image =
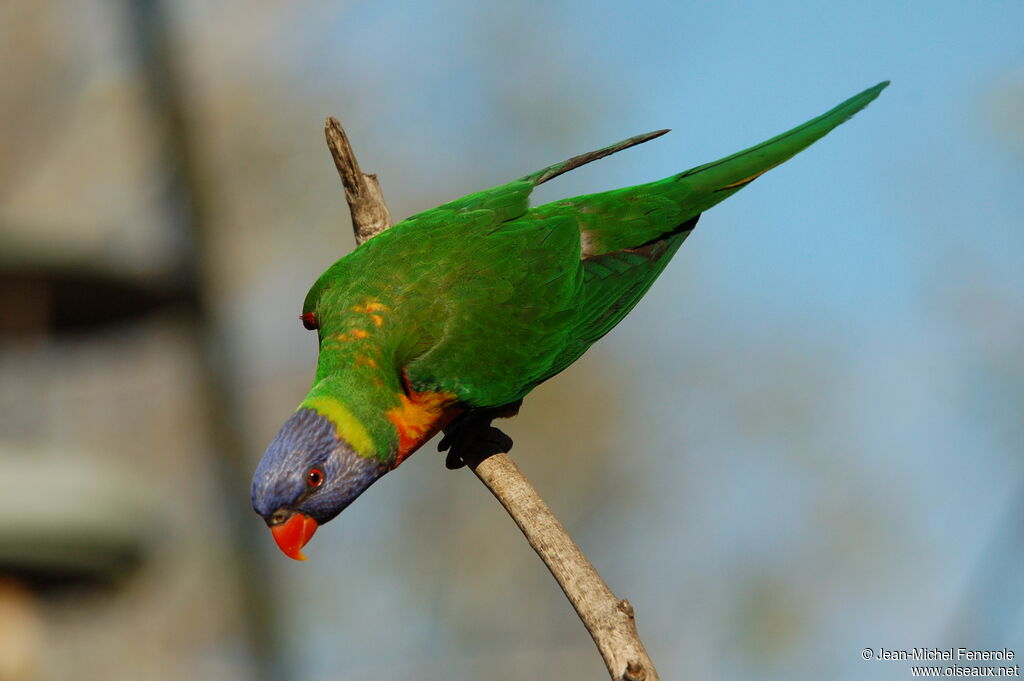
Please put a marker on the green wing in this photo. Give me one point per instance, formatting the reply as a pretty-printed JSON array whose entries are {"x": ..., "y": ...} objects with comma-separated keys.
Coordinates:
[
  {"x": 525, "y": 292},
  {"x": 508, "y": 305}
]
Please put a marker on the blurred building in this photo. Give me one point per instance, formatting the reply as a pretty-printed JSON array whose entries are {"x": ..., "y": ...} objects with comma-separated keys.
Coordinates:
[{"x": 116, "y": 558}]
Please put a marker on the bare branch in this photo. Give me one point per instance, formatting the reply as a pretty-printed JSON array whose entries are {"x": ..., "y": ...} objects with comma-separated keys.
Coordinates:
[
  {"x": 370, "y": 214},
  {"x": 609, "y": 620}
]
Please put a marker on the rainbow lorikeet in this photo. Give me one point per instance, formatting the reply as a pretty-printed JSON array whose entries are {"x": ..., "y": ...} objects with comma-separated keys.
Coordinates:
[{"x": 458, "y": 312}]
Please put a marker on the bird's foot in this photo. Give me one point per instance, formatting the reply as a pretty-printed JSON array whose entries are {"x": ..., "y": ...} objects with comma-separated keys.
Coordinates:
[{"x": 470, "y": 438}]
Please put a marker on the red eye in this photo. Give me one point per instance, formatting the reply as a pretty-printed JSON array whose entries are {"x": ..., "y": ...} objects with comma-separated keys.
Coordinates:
[
  {"x": 315, "y": 477},
  {"x": 309, "y": 321}
]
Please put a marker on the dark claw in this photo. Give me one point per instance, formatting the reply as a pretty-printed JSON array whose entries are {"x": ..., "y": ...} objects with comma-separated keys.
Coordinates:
[
  {"x": 472, "y": 438},
  {"x": 453, "y": 461},
  {"x": 499, "y": 439},
  {"x": 446, "y": 441}
]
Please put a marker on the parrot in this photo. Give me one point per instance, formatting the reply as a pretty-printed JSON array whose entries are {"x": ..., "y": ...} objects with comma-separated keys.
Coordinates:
[{"x": 452, "y": 316}]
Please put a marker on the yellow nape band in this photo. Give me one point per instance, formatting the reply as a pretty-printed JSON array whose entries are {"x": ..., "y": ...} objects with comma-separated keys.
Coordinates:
[{"x": 348, "y": 426}]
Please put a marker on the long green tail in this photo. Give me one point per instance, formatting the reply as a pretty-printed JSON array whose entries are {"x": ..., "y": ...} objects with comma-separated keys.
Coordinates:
[
  {"x": 630, "y": 234},
  {"x": 632, "y": 216},
  {"x": 713, "y": 182}
]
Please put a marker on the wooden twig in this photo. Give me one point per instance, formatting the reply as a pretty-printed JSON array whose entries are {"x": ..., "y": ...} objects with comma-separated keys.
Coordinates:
[
  {"x": 370, "y": 214},
  {"x": 609, "y": 620}
]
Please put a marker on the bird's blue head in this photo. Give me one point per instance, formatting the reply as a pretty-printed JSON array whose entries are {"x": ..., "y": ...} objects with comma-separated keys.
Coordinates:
[{"x": 307, "y": 476}]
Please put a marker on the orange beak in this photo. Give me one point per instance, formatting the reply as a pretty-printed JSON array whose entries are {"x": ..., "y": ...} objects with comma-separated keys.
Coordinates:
[{"x": 293, "y": 534}]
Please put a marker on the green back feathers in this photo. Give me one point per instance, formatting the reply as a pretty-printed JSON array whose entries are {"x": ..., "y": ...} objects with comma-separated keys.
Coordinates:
[{"x": 495, "y": 297}]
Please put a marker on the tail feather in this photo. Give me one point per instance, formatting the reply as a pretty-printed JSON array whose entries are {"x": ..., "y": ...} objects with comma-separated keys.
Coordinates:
[
  {"x": 553, "y": 171},
  {"x": 629, "y": 235},
  {"x": 713, "y": 182},
  {"x": 632, "y": 216}
]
